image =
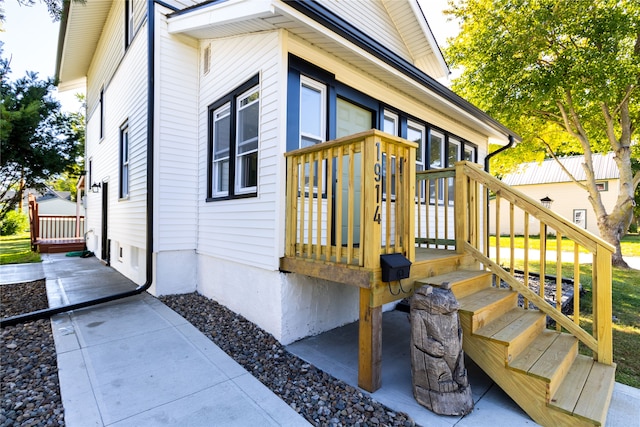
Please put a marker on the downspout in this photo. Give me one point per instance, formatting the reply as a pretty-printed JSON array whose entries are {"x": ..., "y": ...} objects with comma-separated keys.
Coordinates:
[
  {"x": 487, "y": 169},
  {"x": 48, "y": 312}
]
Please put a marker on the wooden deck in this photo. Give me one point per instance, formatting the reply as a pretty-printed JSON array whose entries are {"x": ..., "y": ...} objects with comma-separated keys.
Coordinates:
[{"x": 51, "y": 246}]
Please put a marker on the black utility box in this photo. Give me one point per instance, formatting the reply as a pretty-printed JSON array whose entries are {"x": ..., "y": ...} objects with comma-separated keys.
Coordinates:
[{"x": 394, "y": 267}]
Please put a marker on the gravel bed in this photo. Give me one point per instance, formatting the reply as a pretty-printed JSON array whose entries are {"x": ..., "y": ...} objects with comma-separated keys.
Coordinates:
[
  {"x": 28, "y": 366},
  {"x": 314, "y": 394}
]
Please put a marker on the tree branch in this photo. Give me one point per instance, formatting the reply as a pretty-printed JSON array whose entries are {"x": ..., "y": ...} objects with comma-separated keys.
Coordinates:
[
  {"x": 611, "y": 134},
  {"x": 569, "y": 174}
]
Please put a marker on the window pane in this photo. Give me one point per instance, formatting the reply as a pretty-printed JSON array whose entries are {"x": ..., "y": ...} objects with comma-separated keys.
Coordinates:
[
  {"x": 416, "y": 134},
  {"x": 221, "y": 132},
  {"x": 435, "y": 150},
  {"x": 390, "y": 123},
  {"x": 248, "y": 172},
  {"x": 221, "y": 176},
  {"x": 453, "y": 152},
  {"x": 310, "y": 110},
  {"x": 469, "y": 154},
  {"x": 248, "y": 120}
]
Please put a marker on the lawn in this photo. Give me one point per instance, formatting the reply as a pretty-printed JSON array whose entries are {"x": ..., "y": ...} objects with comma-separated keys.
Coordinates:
[
  {"x": 626, "y": 312},
  {"x": 16, "y": 249},
  {"x": 630, "y": 244}
]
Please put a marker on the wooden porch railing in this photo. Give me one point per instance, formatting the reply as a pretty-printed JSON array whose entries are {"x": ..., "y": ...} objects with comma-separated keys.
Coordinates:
[
  {"x": 53, "y": 227},
  {"x": 350, "y": 200},
  {"x": 471, "y": 185}
]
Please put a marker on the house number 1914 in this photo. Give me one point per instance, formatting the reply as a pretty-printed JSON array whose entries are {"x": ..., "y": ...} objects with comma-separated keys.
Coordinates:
[{"x": 377, "y": 171}]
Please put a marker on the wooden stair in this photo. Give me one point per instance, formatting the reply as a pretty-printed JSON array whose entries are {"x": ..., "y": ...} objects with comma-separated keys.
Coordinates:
[{"x": 539, "y": 369}]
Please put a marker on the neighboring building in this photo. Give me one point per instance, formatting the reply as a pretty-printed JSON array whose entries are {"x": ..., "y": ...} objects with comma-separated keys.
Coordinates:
[
  {"x": 53, "y": 203},
  {"x": 178, "y": 76},
  {"x": 548, "y": 180}
]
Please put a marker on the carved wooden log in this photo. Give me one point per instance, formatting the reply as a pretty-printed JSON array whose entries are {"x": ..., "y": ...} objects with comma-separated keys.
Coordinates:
[{"x": 437, "y": 361}]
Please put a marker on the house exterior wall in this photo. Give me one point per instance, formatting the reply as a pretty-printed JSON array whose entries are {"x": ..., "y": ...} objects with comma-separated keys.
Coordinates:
[
  {"x": 567, "y": 198},
  {"x": 121, "y": 75},
  {"x": 240, "y": 241},
  {"x": 228, "y": 250}
]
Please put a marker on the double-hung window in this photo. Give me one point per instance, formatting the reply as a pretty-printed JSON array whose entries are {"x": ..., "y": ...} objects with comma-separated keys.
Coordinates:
[
  {"x": 233, "y": 143},
  {"x": 313, "y": 112},
  {"x": 436, "y": 161},
  {"x": 124, "y": 162}
]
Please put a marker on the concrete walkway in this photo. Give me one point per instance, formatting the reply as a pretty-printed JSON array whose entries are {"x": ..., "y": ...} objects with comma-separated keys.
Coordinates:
[{"x": 135, "y": 362}]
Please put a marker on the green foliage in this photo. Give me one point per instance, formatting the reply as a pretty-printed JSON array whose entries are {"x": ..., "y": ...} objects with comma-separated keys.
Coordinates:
[
  {"x": 14, "y": 222},
  {"x": 38, "y": 140},
  {"x": 565, "y": 75}
]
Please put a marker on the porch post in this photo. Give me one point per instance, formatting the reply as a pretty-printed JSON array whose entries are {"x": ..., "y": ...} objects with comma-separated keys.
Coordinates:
[
  {"x": 370, "y": 325},
  {"x": 370, "y": 343}
]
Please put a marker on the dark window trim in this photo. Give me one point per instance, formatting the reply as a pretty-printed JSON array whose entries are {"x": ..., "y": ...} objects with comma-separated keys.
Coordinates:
[
  {"x": 101, "y": 113},
  {"x": 124, "y": 128},
  {"x": 336, "y": 89},
  {"x": 128, "y": 27},
  {"x": 230, "y": 98}
]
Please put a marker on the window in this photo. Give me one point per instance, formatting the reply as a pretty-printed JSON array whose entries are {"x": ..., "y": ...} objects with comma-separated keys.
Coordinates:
[
  {"x": 436, "y": 161},
  {"x": 416, "y": 133},
  {"x": 469, "y": 153},
  {"x": 233, "y": 143},
  {"x": 101, "y": 112},
  {"x": 128, "y": 23},
  {"x": 390, "y": 123},
  {"x": 313, "y": 107},
  {"x": 247, "y": 142},
  {"x": 602, "y": 186},
  {"x": 124, "y": 161},
  {"x": 580, "y": 217}
]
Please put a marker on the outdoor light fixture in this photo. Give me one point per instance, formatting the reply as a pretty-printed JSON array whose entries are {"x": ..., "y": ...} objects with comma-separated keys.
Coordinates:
[
  {"x": 95, "y": 188},
  {"x": 546, "y": 202}
]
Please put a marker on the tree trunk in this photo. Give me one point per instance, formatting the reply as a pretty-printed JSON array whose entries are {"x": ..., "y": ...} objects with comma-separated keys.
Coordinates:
[{"x": 612, "y": 233}]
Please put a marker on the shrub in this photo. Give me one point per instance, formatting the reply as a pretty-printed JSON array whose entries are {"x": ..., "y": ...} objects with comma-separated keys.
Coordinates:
[{"x": 13, "y": 223}]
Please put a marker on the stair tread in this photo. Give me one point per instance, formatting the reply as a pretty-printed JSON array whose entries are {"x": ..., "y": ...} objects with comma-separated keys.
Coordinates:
[
  {"x": 483, "y": 299},
  {"x": 558, "y": 356},
  {"x": 500, "y": 323},
  {"x": 452, "y": 277},
  {"x": 586, "y": 390},
  {"x": 512, "y": 329},
  {"x": 525, "y": 360}
]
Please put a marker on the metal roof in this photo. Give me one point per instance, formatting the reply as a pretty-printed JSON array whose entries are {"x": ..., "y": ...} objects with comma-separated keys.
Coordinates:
[{"x": 604, "y": 167}]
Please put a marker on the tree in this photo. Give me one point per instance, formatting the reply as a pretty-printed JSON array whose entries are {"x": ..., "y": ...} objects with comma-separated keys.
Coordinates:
[
  {"x": 37, "y": 140},
  {"x": 564, "y": 74}
]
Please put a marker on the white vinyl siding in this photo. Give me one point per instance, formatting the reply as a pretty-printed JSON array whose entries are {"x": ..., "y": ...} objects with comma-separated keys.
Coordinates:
[
  {"x": 373, "y": 19},
  {"x": 122, "y": 78},
  {"x": 245, "y": 230},
  {"x": 176, "y": 151}
]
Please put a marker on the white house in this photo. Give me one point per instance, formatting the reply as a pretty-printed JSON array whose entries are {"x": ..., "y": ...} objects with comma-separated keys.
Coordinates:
[
  {"x": 191, "y": 107},
  {"x": 547, "y": 180}
]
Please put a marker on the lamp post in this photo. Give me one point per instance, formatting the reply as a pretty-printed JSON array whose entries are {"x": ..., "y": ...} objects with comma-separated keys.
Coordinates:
[{"x": 546, "y": 202}]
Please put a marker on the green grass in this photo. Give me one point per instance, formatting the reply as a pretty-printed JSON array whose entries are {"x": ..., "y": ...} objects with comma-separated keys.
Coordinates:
[
  {"x": 630, "y": 244},
  {"x": 16, "y": 249},
  {"x": 626, "y": 309}
]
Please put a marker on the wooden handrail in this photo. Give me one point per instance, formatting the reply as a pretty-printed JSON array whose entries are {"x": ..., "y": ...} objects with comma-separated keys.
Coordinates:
[
  {"x": 349, "y": 200},
  {"x": 469, "y": 176}
]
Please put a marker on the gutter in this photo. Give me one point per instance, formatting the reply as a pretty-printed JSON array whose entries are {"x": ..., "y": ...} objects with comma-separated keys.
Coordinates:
[
  {"x": 487, "y": 170},
  {"x": 48, "y": 312}
]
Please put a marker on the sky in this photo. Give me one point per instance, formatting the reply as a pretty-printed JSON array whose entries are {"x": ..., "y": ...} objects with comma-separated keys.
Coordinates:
[{"x": 31, "y": 39}]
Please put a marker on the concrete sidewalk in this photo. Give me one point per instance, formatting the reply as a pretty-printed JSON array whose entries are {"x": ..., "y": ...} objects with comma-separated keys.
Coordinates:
[{"x": 135, "y": 362}]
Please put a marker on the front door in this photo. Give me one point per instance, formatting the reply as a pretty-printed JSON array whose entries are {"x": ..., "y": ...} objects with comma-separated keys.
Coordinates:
[
  {"x": 105, "y": 240},
  {"x": 351, "y": 119}
]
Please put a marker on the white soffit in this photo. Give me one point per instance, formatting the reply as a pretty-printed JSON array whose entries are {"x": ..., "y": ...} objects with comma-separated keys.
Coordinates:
[{"x": 82, "y": 31}]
